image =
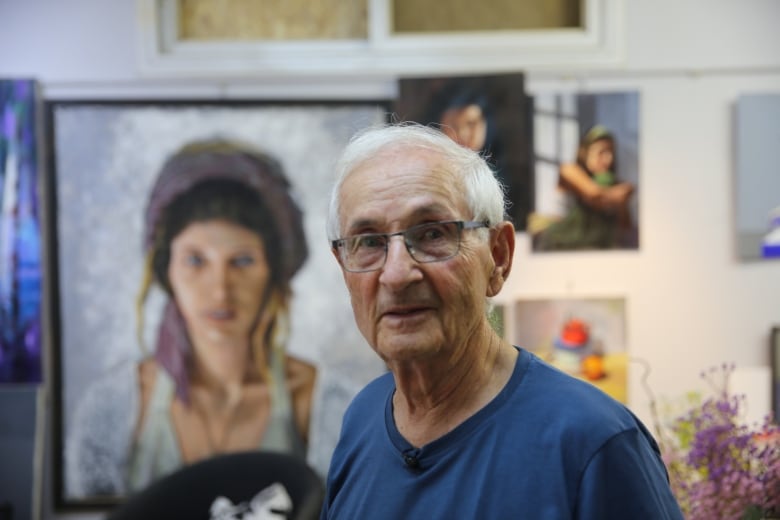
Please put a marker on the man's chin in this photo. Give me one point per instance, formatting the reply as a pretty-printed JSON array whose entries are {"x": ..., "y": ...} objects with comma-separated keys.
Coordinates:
[{"x": 410, "y": 347}]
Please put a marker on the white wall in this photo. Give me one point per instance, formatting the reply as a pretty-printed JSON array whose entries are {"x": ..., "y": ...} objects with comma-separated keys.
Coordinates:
[{"x": 691, "y": 303}]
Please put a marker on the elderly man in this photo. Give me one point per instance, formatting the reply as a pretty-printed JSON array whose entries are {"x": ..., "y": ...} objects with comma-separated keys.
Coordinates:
[{"x": 465, "y": 425}]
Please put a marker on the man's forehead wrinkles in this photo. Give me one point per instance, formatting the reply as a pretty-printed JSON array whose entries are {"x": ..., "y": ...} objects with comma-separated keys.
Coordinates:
[{"x": 425, "y": 209}]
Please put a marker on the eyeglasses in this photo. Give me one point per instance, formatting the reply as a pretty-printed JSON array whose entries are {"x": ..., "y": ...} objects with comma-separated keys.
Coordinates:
[{"x": 426, "y": 243}]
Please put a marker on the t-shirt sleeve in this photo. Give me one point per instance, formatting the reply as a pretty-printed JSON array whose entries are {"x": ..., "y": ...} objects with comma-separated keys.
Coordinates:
[{"x": 626, "y": 478}]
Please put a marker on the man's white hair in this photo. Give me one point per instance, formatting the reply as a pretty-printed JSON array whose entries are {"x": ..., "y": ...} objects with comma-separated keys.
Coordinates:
[{"x": 483, "y": 192}]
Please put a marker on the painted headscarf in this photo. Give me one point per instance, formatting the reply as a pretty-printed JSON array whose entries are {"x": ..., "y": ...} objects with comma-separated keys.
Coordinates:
[
  {"x": 596, "y": 133},
  {"x": 205, "y": 162}
]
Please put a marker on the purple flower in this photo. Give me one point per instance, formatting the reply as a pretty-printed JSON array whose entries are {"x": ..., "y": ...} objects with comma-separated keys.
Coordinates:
[{"x": 720, "y": 468}]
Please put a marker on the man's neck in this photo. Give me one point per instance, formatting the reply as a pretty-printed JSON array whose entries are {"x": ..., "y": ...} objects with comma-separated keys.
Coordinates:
[{"x": 431, "y": 398}]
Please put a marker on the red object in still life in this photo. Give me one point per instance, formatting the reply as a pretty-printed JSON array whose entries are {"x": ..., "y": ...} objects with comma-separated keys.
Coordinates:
[
  {"x": 574, "y": 352},
  {"x": 575, "y": 334}
]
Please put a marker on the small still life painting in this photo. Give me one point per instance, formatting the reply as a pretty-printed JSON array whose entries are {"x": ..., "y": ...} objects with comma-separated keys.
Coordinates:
[{"x": 583, "y": 337}]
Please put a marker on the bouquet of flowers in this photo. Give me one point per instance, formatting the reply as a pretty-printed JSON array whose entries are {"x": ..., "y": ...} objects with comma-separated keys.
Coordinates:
[{"x": 720, "y": 468}]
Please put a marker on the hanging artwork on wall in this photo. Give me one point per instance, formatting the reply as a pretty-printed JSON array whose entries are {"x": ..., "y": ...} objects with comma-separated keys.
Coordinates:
[
  {"x": 489, "y": 114},
  {"x": 191, "y": 259},
  {"x": 20, "y": 238},
  {"x": 757, "y": 182},
  {"x": 585, "y": 337},
  {"x": 586, "y": 171},
  {"x": 774, "y": 356}
]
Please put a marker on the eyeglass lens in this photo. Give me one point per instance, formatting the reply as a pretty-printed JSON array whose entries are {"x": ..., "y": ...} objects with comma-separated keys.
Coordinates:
[{"x": 430, "y": 242}]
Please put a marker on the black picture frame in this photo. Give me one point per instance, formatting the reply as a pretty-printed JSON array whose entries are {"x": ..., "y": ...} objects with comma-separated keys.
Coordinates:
[
  {"x": 101, "y": 156},
  {"x": 774, "y": 356}
]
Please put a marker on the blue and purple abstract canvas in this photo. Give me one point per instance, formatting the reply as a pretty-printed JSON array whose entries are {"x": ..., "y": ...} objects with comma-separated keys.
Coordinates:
[{"x": 20, "y": 238}]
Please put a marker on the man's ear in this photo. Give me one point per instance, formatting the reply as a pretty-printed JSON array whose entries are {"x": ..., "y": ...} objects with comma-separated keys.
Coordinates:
[
  {"x": 336, "y": 255},
  {"x": 502, "y": 249}
]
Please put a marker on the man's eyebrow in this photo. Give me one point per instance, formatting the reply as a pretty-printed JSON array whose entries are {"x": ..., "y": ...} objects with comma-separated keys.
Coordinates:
[{"x": 361, "y": 224}]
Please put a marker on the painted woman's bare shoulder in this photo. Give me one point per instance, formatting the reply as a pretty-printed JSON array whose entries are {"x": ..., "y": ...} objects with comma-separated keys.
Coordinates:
[
  {"x": 147, "y": 375},
  {"x": 301, "y": 376},
  {"x": 300, "y": 373}
]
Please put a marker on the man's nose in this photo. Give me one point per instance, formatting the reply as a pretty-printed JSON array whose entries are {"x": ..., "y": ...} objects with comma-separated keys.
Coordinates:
[{"x": 400, "y": 267}]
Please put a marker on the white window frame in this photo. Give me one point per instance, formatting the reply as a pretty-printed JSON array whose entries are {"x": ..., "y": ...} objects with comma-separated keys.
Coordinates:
[{"x": 598, "y": 44}]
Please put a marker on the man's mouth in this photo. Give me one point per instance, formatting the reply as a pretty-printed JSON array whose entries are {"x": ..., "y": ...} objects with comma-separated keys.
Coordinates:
[{"x": 400, "y": 312}]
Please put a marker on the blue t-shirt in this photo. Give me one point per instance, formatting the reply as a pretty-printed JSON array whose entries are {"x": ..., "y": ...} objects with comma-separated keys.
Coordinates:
[{"x": 548, "y": 446}]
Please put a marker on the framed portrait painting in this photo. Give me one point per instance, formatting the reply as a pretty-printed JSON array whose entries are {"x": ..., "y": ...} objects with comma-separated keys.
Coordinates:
[
  {"x": 490, "y": 114},
  {"x": 176, "y": 226},
  {"x": 586, "y": 167}
]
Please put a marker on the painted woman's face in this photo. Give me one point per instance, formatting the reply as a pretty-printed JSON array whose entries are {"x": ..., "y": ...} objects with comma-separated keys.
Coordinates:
[
  {"x": 600, "y": 156},
  {"x": 218, "y": 274},
  {"x": 466, "y": 126}
]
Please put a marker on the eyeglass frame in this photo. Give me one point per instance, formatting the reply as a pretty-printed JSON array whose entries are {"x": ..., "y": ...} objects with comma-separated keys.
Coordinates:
[{"x": 462, "y": 225}]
